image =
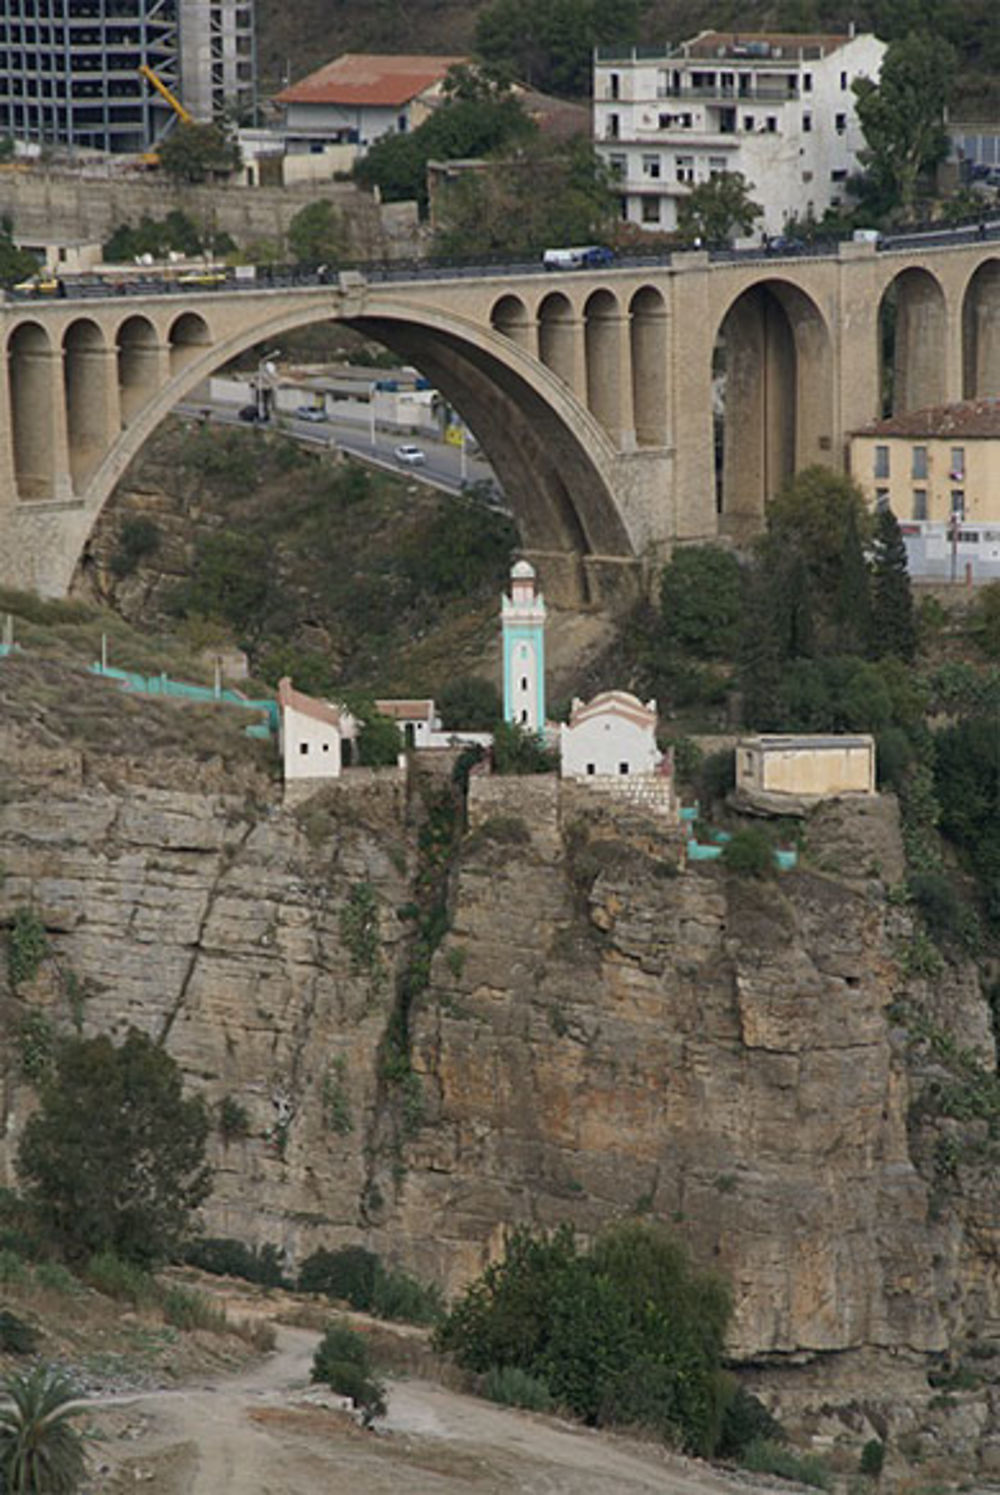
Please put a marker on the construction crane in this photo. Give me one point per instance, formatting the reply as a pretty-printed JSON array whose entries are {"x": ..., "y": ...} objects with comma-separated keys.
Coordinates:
[
  {"x": 152, "y": 158},
  {"x": 184, "y": 115}
]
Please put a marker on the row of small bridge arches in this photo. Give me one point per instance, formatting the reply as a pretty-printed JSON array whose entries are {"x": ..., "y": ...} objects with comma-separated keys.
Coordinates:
[{"x": 74, "y": 392}]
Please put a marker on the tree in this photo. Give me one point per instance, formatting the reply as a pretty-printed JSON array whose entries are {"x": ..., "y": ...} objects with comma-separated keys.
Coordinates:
[
  {"x": 192, "y": 153},
  {"x": 701, "y": 599},
  {"x": 380, "y": 741},
  {"x": 517, "y": 751},
  {"x": 716, "y": 211},
  {"x": 469, "y": 123},
  {"x": 537, "y": 195},
  {"x": 343, "y": 1362},
  {"x": 317, "y": 234},
  {"x": 113, "y": 1160},
  {"x": 41, "y": 1453},
  {"x": 894, "y": 629},
  {"x": 902, "y": 115},
  {"x": 551, "y": 46},
  {"x": 469, "y": 702},
  {"x": 15, "y": 264},
  {"x": 854, "y": 610}
]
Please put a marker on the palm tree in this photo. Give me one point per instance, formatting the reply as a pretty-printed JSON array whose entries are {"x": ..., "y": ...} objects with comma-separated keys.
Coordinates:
[{"x": 41, "y": 1453}]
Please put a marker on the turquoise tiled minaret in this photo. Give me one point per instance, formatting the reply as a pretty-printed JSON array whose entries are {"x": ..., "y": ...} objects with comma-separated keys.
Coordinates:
[{"x": 524, "y": 650}]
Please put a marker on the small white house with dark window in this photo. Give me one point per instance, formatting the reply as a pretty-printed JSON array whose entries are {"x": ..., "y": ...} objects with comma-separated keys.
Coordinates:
[
  {"x": 312, "y": 734},
  {"x": 416, "y": 719},
  {"x": 614, "y": 734}
]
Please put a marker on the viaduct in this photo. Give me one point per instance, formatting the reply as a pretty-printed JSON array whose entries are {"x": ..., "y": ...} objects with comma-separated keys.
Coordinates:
[{"x": 594, "y": 393}]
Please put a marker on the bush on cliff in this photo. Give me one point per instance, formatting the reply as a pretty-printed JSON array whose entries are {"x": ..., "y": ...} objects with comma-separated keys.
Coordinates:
[{"x": 628, "y": 1332}]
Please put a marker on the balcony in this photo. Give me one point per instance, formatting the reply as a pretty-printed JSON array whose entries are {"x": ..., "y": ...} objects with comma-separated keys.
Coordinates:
[{"x": 722, "y": 92}]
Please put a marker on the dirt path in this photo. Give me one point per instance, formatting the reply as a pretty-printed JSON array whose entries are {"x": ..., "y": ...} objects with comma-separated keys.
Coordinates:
[{"x": 266, "y": 1432}]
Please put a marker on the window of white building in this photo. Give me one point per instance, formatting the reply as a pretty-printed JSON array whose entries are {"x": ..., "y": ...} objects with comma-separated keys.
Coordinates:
[
  {"x": 684, "y": 166},
  {"x": 650, "y": 210},
  {"x": 840, "y": 123},
  {"x": 717, "y": 166},
  {"x": 651, "y": 166}
]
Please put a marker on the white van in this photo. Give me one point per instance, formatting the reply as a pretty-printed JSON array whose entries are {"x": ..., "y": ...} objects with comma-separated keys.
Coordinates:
[
  {"x": 583, "y": 257},
  {"x": 867, "y": 236}
]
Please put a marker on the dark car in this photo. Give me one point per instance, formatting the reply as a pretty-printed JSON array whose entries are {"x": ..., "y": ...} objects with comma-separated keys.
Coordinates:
[{"x": 253, "y": 416}]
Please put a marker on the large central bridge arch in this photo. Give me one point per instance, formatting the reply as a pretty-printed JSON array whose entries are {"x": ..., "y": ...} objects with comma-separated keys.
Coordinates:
[{"x": 555, "y": 460}]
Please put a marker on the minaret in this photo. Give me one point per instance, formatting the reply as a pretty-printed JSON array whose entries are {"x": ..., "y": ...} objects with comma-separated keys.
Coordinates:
[{"x": 524, "y": 650}]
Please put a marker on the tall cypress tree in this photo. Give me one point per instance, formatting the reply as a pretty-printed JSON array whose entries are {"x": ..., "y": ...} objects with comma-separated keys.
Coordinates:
[
  {"x": 853, "y": 609},
  {"x": 894, "y": 628}
]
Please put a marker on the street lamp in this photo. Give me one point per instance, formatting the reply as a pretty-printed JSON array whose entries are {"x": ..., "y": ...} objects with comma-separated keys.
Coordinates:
[
  {"x": 265, "y": 365},
  {"x": 371, "y": 412}
]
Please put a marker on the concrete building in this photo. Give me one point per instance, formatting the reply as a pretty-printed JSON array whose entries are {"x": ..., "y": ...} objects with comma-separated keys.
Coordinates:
[
  {"x": 311, "y": 734},
  {"x": 777, "y": 107},
  {"x": 805, "y": 767},
  {"x": 356, "y": 99},
  {"x": 523, "y": 622},
  {"x": 69, "y": 68}
]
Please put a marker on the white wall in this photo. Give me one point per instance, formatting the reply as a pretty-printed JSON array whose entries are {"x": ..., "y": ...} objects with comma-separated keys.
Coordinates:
[
  {"x": 602, "y": 744},
  {"x": 310, "y": 748}
]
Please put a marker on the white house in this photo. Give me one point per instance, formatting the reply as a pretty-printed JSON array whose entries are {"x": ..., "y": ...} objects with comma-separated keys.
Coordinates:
[
  {"x": 417, "y": 720},
  {"x": 358, "y": 98},
  {"x": 775, "y": 106},
  {"x": 614, "y": 734},
  {"x": 311, "y": 734},
  {"x": 806, "y": 767}
]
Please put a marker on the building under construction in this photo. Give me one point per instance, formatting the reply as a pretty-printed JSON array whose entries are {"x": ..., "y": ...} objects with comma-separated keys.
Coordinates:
[{"x": 69, "y": 69}]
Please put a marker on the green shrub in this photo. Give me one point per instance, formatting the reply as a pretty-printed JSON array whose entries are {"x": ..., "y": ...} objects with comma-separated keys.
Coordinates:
[
  {"x": 380, "y": 742},
  {"x": 508, "y": 830},
  {"x": 401, "y": 1298},
  {"x": 55, "y": 1278},
  {"x": 749, "y": 853},
  {"x": 746, "y": 1420},
  {"x": 187, "y": 1310},
  {"x": 717, "y": 777},
  {"x": 359, "y": 927},
  {"x": 336, "y": 1102},
  {"x": 138, "y": 538},
  {"x": 13, "y": 1270},
  {"x": 517, "y": 751},
  {"x": 627, "y": 1333},
  {"x": 120, "y": 1279},
  {"x": 16, "y": 1337},
  {"x": 764, "y": 1457},
  {"x": 225, "y": 1257},
  {"x": 515, "y": 1388},
  {"x": 947, "y": 917},
  {"x": 27, "y": 946},
  {"x": 872, "y": 1458},
  {"x": 471, "y": 703},
  {"x": 36, "y": 1044},
  {"x": 347, "y": 1274},
  {"x": 234, "y": 1119},
  {"x": 342, "y": 1361}
]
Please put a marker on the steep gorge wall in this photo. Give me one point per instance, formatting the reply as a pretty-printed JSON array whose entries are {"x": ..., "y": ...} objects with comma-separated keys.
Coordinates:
[{"x": 600, "y": 1035}]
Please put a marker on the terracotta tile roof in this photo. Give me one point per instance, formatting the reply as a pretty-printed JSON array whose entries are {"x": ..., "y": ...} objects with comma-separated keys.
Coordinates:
[
  {"x": 616, "y": 703},
  {"x": 360, "y": 79},
  {"x": 707, "y": 43},
  {"x": 968, "y": 418},
  {"x": 406, "y": 711},
  {"x": 290, "y": 699}
]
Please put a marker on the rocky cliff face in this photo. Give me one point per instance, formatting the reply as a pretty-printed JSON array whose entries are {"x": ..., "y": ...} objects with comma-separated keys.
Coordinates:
[{"x": 600, "y": 1034}]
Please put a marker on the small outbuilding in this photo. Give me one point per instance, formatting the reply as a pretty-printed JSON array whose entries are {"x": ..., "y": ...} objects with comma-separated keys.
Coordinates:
[
  {"x": 312, "y": 734},
  {"x": 806, "y": 767}
]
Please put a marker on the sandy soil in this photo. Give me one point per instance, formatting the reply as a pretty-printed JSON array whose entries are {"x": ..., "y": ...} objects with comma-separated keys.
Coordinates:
[{"x": 268, "y": 1432}]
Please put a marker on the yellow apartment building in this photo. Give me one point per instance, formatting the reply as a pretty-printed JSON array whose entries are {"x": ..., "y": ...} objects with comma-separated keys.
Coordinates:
[{"x": 933, "y": 465}]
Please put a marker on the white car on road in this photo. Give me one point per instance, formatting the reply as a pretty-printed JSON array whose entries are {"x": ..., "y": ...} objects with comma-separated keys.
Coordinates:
[{"x": 411, "y": 456}]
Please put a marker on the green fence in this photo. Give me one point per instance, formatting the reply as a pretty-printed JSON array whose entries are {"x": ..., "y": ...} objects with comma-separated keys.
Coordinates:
[{"x": 162, "y": 685}]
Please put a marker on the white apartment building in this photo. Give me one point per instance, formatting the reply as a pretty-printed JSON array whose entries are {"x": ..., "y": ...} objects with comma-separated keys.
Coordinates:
[{"x": 779, "y": 108}]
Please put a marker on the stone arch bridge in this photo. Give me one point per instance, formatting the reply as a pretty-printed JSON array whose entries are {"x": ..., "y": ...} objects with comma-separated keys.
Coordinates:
[{"x": 595, "y": 394}]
